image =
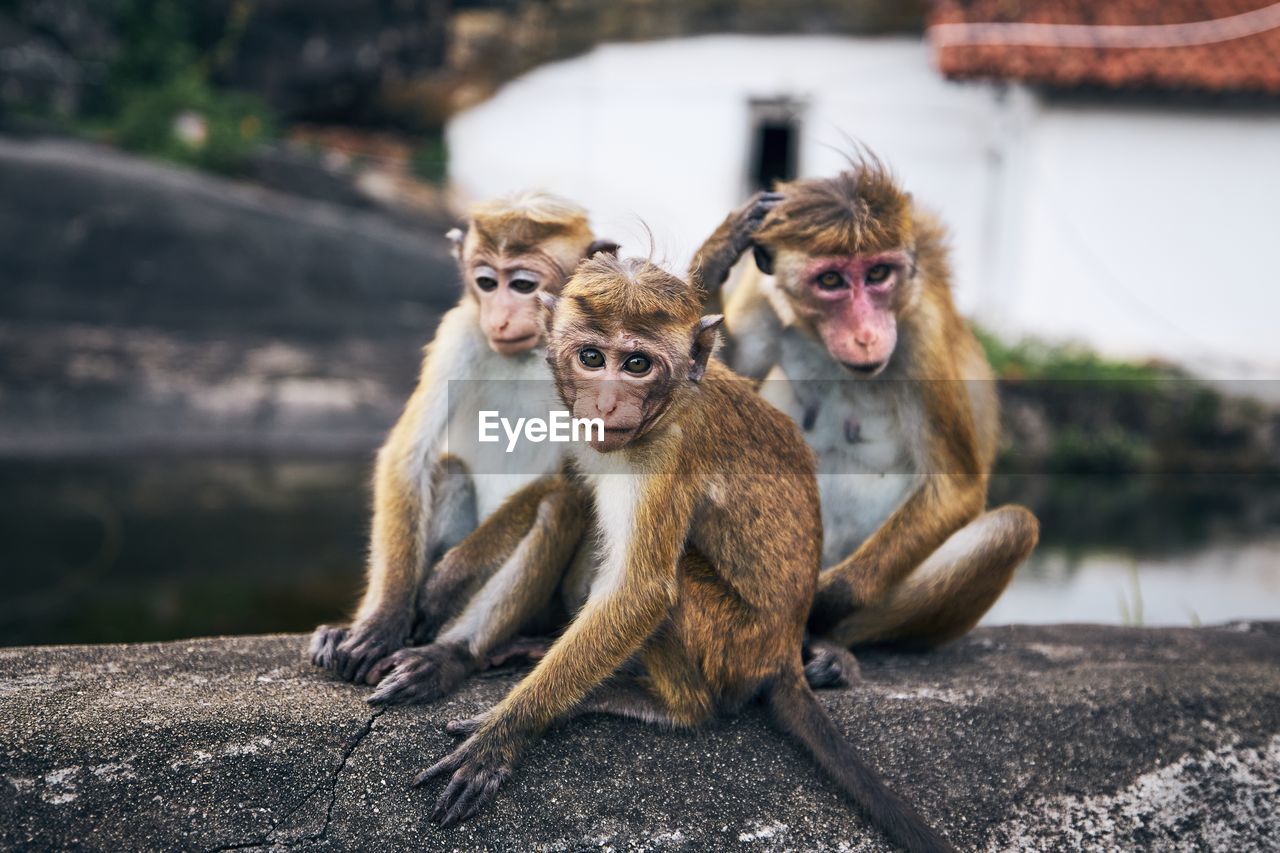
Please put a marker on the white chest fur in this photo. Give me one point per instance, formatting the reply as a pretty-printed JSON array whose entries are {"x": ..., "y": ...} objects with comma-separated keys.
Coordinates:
[
  {"x": 518, "y": 387},
  {"x": 863, "y": 432},
  {"x": 617, "y": 498}
]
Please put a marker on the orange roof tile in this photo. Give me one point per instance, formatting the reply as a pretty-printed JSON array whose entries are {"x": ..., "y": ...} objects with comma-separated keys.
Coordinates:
[{"x": 1213, "y": 46}]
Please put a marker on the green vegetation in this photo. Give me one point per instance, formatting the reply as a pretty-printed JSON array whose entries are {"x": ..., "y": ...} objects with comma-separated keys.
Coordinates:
[
  {"x": 1031, "y": 359},
  {"x": 431, "y": 160},
  {"x": 159, "y": 99}
]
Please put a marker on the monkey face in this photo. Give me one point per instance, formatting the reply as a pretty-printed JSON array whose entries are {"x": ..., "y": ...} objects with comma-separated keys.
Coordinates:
[
  {"x": 850, "y": 302},
  {"x": 506, "y": 288},
  {"x": 623, "y": 342},
  {"x": 620, "y": 380}
]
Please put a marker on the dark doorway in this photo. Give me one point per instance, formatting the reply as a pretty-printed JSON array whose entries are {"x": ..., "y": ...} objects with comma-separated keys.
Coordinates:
[{"x": 775, "y": 142}]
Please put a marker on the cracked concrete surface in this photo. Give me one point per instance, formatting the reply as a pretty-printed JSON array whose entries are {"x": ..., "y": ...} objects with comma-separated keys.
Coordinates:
[{"x": 1045, "y": 738}]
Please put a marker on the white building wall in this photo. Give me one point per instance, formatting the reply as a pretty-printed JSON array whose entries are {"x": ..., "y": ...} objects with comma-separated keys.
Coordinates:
[
  {"x": 1138, "y": 231},
  {"x": 1149, "y": 232}
]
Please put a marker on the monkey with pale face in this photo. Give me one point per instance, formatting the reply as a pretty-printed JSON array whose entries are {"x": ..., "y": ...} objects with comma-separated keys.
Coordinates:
[
  {"x": 848, "y": 316},
  {"x": 709, "y": 539},
  {"x": 430, "y": 493}
]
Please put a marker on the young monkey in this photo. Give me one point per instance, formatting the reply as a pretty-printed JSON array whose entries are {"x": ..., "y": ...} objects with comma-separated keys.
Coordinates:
[
  {"x": 709, "y": 537},
  {"x": 849, "y": 317},
  {"x": 429, "y": 495}
]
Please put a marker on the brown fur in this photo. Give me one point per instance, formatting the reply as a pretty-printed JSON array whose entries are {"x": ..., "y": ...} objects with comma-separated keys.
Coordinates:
[
  {"x": 856, "y": 212},
  {"x": 403, "y": 600},
  {"x": 721, "y": 558},
  {"x": 873, "y": 595}
]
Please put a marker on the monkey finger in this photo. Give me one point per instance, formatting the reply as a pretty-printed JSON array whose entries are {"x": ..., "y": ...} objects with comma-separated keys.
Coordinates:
[
  {"x": 763, "y": 203},
  {"x": 464, "y": 805},
  {"x": 480, "y": 786},
  {"x": 448, "y": 764},
  {"x": 324, "y": 641},
  {"x": 388, "y": 692},
  {"x": 366, "y": 664},
  {"x": 464, "y": 728},
  {"x": 379, "y": 670},
  {"x": 448, "y": 796}
]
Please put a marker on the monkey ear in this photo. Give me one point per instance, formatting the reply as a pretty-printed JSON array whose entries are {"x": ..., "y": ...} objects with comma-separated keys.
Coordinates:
[
  {"x": 597, "y": 246},
  {"x": 455, "y": 236},
  {"x": 764, "y": 258},
  {"x": 704, "y": 343},
  {"x": 549, "y": 302}
]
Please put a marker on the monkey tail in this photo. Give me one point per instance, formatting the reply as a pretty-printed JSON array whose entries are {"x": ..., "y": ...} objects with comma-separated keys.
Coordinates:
[{"x": 798, "y": 712}]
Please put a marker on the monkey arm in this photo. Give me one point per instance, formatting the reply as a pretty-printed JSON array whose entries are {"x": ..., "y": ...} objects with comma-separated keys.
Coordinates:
[
  {"x": 611, "y": 627},
  {"x": 951, "y": 494},
  {"x": 404, "y": 483},
  {"x": 718, "y": 253},
  {"x": 549, "y": 509},
  {"x": 613, "y": 624},
  {"x": 752, "y": 328},
  {"x": 521, "y": 587}
]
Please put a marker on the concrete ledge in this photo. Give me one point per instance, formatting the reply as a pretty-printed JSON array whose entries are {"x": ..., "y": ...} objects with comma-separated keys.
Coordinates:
[{"x": 1064, "y": 737}]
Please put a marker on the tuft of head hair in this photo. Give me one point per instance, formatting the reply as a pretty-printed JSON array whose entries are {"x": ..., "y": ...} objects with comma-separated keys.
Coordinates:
[
  {"x": 520, "y": 221},
  {"x": 860, "y": 210},
  {"x": 632, "y": 293}
]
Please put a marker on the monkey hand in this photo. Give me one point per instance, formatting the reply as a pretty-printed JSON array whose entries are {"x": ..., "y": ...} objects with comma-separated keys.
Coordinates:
[
  {"x": 420, "y": 674},
  {"x": 827, "y": 664},
  {"x": 722, "y": 250},
  {"x": 364, "y": 644},
  {"x": 324, "y": 642},
  {"x": 477, "y": 768}
]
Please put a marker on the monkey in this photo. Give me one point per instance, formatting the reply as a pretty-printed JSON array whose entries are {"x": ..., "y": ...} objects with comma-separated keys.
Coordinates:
[
  {"x": 709, "y": 540},
  {"x": 849, "y": 317},
  {"x": 428, "y": 493}
]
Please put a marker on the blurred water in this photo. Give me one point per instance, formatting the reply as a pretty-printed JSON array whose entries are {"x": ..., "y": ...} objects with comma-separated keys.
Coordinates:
[{"x": 134, "y": 549}]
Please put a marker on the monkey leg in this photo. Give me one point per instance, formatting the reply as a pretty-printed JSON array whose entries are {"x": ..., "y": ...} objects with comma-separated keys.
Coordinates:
[
  {"x": 453, "y": 515},
  {"x": 946, "y": 595},
  {"x": 511, "y": 597},
  {"x": 467, "y": 566}
]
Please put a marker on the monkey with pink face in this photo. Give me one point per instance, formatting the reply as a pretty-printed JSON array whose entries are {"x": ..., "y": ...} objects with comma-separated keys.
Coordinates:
[{"x": 848, "y": 318}]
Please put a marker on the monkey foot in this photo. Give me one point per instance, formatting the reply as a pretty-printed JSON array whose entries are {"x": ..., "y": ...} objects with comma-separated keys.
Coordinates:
[
  {"x": 360, "y": 648},
  {"x": 324, "y": 642},
  {"x": 520, "y": 650},
  {"x": 830, "y": 665},
  {"x": 420, "y": 674},
  {"x": 476, "y": 777}
]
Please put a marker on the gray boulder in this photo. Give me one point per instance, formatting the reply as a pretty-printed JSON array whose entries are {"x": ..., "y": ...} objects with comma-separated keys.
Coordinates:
[{"x": 1044, "y": 738}]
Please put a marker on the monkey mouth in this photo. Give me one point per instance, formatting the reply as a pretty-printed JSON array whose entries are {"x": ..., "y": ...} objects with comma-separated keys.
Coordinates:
[
  {"x": 869, "y": 369},
  {"x": 513, "y": 344}
]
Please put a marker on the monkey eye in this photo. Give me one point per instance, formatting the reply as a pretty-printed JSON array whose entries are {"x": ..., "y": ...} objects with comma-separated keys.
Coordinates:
[
  {"x": 524, "y": 285},
  {"x": 591, "y": 358},
  {"x": 486, "y": 283},
  {"x": 878, "y": 273},
  {"x": 831, "y": 280},
  {"x": 636, "y": 364}
]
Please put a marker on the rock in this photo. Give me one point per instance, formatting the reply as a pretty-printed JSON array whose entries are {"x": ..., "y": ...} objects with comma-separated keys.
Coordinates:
[
  {"x": 408, "y": 63},
  {"x": 147, "y": 306},
  {"x": 1062, "y": 737}
]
